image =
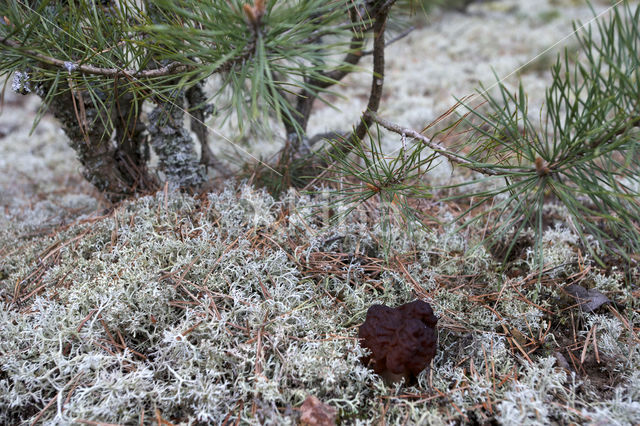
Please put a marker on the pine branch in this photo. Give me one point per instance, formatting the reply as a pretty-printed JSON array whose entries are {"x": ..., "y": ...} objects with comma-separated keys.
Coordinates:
[
  {"x": 173, "y": 68},
  {"x": 441, "y": 150},
  {"x": 170, "y": 69}
]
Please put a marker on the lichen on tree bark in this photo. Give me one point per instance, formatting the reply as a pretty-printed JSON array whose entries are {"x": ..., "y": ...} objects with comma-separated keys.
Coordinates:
[{"x": 173, "y": 144}]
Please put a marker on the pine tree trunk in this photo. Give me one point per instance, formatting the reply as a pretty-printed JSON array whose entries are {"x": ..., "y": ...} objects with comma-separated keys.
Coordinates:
[{"x": 116, "y": 168}]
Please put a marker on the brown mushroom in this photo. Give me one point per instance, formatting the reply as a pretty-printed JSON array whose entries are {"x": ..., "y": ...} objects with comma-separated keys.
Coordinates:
[{"x": 402, "y": 340}]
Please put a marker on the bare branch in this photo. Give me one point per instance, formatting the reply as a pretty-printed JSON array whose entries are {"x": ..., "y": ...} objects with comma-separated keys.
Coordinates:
[
  {"x": 170, "y": 69},
  {"x": 451, "y": 156}
]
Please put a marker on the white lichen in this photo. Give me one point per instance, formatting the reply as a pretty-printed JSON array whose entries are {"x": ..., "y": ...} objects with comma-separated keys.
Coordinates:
[{"x": 21, "y": 83}]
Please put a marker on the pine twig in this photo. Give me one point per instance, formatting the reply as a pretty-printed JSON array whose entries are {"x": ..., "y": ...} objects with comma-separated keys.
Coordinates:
[{"x": 451, "y": 156}]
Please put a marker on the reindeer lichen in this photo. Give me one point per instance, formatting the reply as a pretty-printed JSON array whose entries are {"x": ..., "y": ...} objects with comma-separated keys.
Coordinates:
[{"x": 213, "y": 308}]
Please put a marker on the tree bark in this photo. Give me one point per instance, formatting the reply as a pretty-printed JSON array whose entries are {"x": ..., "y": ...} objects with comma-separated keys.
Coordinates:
[{"x": 116, "y": 169}]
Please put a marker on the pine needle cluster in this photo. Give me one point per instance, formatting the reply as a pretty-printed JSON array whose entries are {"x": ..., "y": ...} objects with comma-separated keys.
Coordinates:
[{"x": 581, "y": 153}]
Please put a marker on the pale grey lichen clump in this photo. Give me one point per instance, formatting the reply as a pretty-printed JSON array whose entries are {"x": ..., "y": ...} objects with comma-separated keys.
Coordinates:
[
  {"x": 557, "y": 250},
  {"x": 140, "y": 286},
  {"x": 205, "y": 310},
  {"x": 529, "y": 401}
]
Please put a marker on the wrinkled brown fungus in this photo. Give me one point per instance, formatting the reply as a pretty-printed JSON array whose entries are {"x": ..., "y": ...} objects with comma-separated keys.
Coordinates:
[{"x": 402, "y": 340}]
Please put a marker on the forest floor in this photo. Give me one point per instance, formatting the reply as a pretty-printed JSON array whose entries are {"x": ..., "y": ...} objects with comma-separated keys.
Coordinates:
[{"x": 232, "y": 307}]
